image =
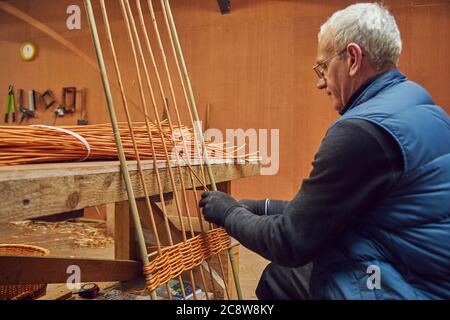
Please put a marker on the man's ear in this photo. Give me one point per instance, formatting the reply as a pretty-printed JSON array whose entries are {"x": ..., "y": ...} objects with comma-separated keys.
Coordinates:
[{"x": 354, "y": 58}]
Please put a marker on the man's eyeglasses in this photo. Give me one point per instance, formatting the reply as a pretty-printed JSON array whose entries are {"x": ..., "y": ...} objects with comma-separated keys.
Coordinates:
[{"x": 322, "y": 66}]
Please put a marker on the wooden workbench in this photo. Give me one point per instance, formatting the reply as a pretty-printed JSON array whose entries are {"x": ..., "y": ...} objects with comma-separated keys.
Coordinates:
[{"x": 32, "y": 191}]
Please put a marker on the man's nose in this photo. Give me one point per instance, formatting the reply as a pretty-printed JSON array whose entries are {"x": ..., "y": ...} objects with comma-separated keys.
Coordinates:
[{"x": 322, "y": 84}]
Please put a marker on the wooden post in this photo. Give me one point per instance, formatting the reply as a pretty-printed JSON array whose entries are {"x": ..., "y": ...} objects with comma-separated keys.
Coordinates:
[
  {"x": 124, "y": 235},
  {"x": 110, "y": 219}
]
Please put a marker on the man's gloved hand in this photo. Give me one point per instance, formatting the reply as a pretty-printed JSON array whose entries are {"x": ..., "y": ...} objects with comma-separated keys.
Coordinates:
[{"x": 216, "y": 206}]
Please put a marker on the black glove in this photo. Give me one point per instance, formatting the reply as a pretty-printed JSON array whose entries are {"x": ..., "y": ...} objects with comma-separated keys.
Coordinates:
[{"x": 216, "y": 206}]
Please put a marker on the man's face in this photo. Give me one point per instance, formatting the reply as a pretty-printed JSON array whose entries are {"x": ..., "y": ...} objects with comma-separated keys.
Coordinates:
[{"x": 335, "y": 77}]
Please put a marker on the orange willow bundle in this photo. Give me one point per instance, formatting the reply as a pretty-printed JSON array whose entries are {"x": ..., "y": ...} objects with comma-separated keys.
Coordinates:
[{"x": 40, "y": 144}]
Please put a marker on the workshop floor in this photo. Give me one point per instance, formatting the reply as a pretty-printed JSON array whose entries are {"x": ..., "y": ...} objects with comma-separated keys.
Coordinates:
[
  {"x": 63, "y": 240},
  {"x": 251, "y": 267}
]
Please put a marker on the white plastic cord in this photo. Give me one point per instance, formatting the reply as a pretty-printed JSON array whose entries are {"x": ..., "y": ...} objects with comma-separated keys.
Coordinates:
[{"x": 73, "y": 134}]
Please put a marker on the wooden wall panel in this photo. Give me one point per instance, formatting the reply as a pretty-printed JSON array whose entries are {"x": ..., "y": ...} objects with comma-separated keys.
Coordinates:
[{"x": 253, "y": 66}]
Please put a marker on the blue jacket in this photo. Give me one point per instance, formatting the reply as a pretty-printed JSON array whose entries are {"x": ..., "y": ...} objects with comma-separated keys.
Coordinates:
[{"x": 404, "y": 242}]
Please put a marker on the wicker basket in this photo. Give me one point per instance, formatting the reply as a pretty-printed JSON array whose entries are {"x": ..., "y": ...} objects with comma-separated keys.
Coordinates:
[{"x": 22, "y": 291}]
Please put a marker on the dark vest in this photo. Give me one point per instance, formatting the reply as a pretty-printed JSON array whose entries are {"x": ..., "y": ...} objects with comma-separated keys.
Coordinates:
[{"x": 405, "y": 239}]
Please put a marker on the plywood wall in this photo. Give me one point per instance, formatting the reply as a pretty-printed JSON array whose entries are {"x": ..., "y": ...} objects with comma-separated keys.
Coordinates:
[{"x": 252, "y": 66}]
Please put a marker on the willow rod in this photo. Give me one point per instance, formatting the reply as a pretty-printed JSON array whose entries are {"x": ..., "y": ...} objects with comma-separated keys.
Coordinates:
[
  {"x": 36, "y": 144},
  {"x": 112, "y": 113},
  {"x": 161, "y": 47},
  {"x": 168, "y": 14},
  {"x": 130, "y": 126},
  {"x": 171, "y": 88},
  {"x": 152, "y": 147},
  {"x": 161, "y": 89},
  {"x": 144, "y": 104},
  {"x": 173, "y": 32},
  {"x": 155, "y": 27},
  {"x": 183, "y": 187}
]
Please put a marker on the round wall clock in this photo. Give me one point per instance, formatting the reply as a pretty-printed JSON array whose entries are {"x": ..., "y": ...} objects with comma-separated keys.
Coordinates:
[{"x": 28, "y": 51}]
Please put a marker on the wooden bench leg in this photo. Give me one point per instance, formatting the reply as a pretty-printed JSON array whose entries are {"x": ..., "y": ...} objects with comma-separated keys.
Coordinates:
[
  {"x": 110, "y": 219},
  {"x": 124, "y": 237}
]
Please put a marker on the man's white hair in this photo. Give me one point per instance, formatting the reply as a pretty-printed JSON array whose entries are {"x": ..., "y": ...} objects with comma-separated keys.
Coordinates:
[{"x": 369, "y": 25}]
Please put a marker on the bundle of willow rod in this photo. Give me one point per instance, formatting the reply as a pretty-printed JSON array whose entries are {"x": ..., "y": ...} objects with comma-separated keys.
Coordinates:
[{"x": 41, "y": 144}]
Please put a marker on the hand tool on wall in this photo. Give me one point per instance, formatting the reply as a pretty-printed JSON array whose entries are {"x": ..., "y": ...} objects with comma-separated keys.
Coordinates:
[
  {"x": 69, "y": 102},
  {"x": 32, "y": 100},
  {"x": 225, "y": 6},
  {"x": 83, "y": 119},
  {"x": 69, "y": 99},
  {"x": 26, "y": 113},
  {"x": 60, "y": 111},
  {"x": 47, "y": 99},
  {"x": 10, "y": 105}
]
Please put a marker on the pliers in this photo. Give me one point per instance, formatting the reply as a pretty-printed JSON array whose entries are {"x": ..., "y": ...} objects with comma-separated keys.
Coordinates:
[{"x": 10, "y": 105}]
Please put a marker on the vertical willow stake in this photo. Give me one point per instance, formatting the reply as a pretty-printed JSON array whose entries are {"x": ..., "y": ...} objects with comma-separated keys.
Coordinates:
[
  {"x": 112, "y": 114},
  {"x": 173, "y": 30}
]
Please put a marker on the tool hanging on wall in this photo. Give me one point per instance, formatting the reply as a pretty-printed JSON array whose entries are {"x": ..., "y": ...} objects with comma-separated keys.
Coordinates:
[
  {"x": 26, "y": 112},
  {"x": 60, "y": 111},
  {"x": 32, "y": 100},
  {"x": 83, "y": 118},
  {"x": 10, "y": 105},
  {"x": 47, "y": 99},
  {"x": 225, "y": 6},
  {"x": 69, "y": 99},
  {"x": 69, "y": 102}
]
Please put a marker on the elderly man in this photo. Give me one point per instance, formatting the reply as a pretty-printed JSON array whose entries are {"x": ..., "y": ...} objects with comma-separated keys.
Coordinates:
[{"x": 373, "y": 219}]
